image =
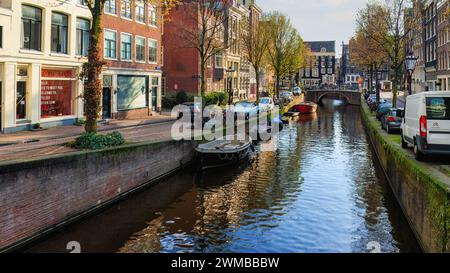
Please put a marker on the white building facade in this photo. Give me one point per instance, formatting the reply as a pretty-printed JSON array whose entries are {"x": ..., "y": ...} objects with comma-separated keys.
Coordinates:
[{"x": 43, "y": 44}]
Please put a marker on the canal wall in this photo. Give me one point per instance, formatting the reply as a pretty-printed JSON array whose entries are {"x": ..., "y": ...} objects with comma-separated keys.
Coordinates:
[
  {"x": 42, "y": 195},
  {"x": 422, "y": 193}
]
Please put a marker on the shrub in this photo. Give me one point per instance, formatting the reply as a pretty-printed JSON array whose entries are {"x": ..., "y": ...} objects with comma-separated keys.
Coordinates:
[
  {"x": 169, "y": 101},
  {"x": 93, "y": 141},
  {"x": 181, "y": 97},
  {"x": 216, "y": 98}
]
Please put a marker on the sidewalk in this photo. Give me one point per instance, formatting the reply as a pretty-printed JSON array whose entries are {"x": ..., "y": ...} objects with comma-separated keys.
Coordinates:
[{"x": 29, "y": 144}]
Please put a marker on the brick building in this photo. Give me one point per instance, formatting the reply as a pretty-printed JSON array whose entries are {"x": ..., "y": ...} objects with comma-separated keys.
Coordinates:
[
  {"x": 321, "y": 66},
  {"x": 182, "y": 63},
  {"x": 443, "y": 47},
  {"x": 132, "y": 50}
]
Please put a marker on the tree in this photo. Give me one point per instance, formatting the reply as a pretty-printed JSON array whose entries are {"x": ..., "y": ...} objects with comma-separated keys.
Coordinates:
[
  {"x": 388, "y": 27},
  {"x": 203, "y": 28},
  {"x": 255, "y": 42},
  {"x": 365, "y": 53},
  {"x": 285, "y": 47}
]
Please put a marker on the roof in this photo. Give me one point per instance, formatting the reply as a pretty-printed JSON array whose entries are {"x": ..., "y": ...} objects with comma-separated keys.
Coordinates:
[{"x": 317, "y": 46}]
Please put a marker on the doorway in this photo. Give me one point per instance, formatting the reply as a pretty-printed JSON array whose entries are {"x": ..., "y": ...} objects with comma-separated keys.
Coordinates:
[
  {"x": 106, "y": 103},
  {"x": 21, "y": 103}
]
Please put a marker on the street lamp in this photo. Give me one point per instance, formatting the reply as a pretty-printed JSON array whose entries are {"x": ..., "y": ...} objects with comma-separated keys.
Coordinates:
[
  {"x": 230, "y": 72},
  {"x": 410, "y": 63}
]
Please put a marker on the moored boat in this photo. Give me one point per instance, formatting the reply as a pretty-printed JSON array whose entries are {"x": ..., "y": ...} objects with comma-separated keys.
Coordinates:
[
  {"x": 306, "y": 108},
  {"x": 223, "y": 152}
]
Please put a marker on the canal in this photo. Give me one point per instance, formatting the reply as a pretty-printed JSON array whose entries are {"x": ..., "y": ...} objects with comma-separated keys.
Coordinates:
[{"x": 320, "y": 190}]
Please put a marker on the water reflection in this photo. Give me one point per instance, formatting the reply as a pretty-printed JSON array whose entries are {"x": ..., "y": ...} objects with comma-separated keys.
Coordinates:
[{"x": 318, "y": 192}]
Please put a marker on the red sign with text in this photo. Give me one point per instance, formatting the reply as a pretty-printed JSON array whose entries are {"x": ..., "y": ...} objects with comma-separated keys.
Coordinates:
[
  {"x": 56, "y": 98},
  {"x": 56, "y": 73}
]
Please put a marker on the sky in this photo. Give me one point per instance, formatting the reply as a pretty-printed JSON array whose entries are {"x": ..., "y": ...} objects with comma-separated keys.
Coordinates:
[{"x": 318, "y": 20}]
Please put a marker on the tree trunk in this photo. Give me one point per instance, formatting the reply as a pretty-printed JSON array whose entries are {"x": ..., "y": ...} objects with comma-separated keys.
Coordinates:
[
  {"x": 202, "y": 79},
  {"x": 257, "y": 86},
  {"x": 278, "y": 86},
  {"x": 377, "y": 87},
  {"x": 93, "y": 69}
]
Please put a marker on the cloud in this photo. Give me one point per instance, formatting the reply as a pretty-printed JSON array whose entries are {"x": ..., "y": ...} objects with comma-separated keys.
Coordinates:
[{"x": 319, "y": 19}]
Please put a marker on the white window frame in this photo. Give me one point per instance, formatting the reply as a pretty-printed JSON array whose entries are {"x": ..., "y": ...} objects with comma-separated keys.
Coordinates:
[
  {"x": 113, "y": 14},
  {"x": 152, "y": 8},
  {"x": 131, "y": 11},
  {"x": 131, "y": 47},
  {"x": 148, "y": 49},
  {"x": 104, "y": 44},
  {"x": 145, "y": 49},
  {"x": 136, "y": 5}
]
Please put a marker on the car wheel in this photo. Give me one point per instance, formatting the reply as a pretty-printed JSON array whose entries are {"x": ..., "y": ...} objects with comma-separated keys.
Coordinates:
[
  {"x": 417, "y": 153},
  {"x": 404, "y": 143}
]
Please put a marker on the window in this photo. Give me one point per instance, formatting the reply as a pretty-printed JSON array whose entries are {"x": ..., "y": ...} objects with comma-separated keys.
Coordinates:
[
  {"x": 83, "y": 27},
  {"x": 140, "y": 11},
  {"x": 126, "y": 9},
  {"x": 438, "y": 108},
  {"x": 31, "y": 28},
  {"x": 219, "y": 60},
  {"x": 152, "y": 15},
  {"x": 132, "y": 92},
  {"x": 153, "y": 51},
  {"x": 82, "y": 2},
  {"x": 110, "y": 44},
  {"x": 59, "y": 33},
  {"x": 140, "y": 49},
  {"x": 125, "y": 46},
  {"x": 111, "y": 6},
  {"x": 1, "y": 36}
]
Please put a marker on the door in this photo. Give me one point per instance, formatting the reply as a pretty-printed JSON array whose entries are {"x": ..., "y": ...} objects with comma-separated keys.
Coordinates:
[
  {"x": 21, "y": 103},
  {"x": 154, "y": 97},
  {"x": 106, "y": 103}
]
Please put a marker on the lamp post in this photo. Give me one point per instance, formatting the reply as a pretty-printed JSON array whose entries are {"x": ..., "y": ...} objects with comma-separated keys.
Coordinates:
[
  {"x": 230, "y": 72},
  {"x": 410, "y": 63}
]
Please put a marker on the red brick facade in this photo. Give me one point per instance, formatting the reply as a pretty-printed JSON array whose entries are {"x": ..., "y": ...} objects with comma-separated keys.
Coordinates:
[{"x": 119, "y": 23}]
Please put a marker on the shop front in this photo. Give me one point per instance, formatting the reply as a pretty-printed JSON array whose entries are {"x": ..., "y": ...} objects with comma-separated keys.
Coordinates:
[{"x": 130, "y": 95}]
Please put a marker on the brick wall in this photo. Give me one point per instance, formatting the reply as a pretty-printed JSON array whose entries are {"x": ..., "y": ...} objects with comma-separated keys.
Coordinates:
[
  {"x": 38, "y": 195},
  {"x": 122, "y": 25}
]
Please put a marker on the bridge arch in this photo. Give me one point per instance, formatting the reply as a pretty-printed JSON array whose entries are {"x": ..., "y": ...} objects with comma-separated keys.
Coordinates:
[{"x": 331, "y": 94}]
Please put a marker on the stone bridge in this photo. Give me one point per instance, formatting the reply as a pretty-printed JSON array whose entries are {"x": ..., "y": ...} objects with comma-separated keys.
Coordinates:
[{"x": 350, "y": 96}]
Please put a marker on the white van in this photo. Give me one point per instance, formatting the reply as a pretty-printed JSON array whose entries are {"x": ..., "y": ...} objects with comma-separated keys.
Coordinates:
[{"x": 426, "y": 123}]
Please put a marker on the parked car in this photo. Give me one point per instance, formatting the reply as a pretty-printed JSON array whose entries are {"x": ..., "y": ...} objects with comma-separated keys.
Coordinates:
[
  {"x": 390, "y": 122},
  {"x": 195, "y": 109},
  {"x": 383, "y": 109},
  {"x": 266, "y": 104},
  {"x": 287, "y": 96},
  {"x": 297, "y": 91},
  {"x": 248, "y": 109},
  {"x": 426, "y": 123}
]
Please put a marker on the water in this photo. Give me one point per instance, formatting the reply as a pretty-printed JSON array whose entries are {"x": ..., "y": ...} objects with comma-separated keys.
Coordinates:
[{"x": 320, "y": 191}]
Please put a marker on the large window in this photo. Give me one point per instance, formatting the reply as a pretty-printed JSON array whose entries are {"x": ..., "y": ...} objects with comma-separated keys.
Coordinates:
[
  {"x": 56, "y": 92},
  {"x": 140, "y": 49},
  {"x": 152, "y": 51},
  {"x": 31, "y": 28},
  {"x": 110, "y": 44},
  {"x": 132, "y": 92},
  {"x": 125, "y": 45},
  {"x": 83, "y": 27},
  {"x": 152, "y": 15},
  {"x": 111, "y": 6},
  {"x": 219, "y": 60},
  {"x": 126, "y": 9},
  {"x": 59, "y": 33},
  {"x": 140, "y": 11}
]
